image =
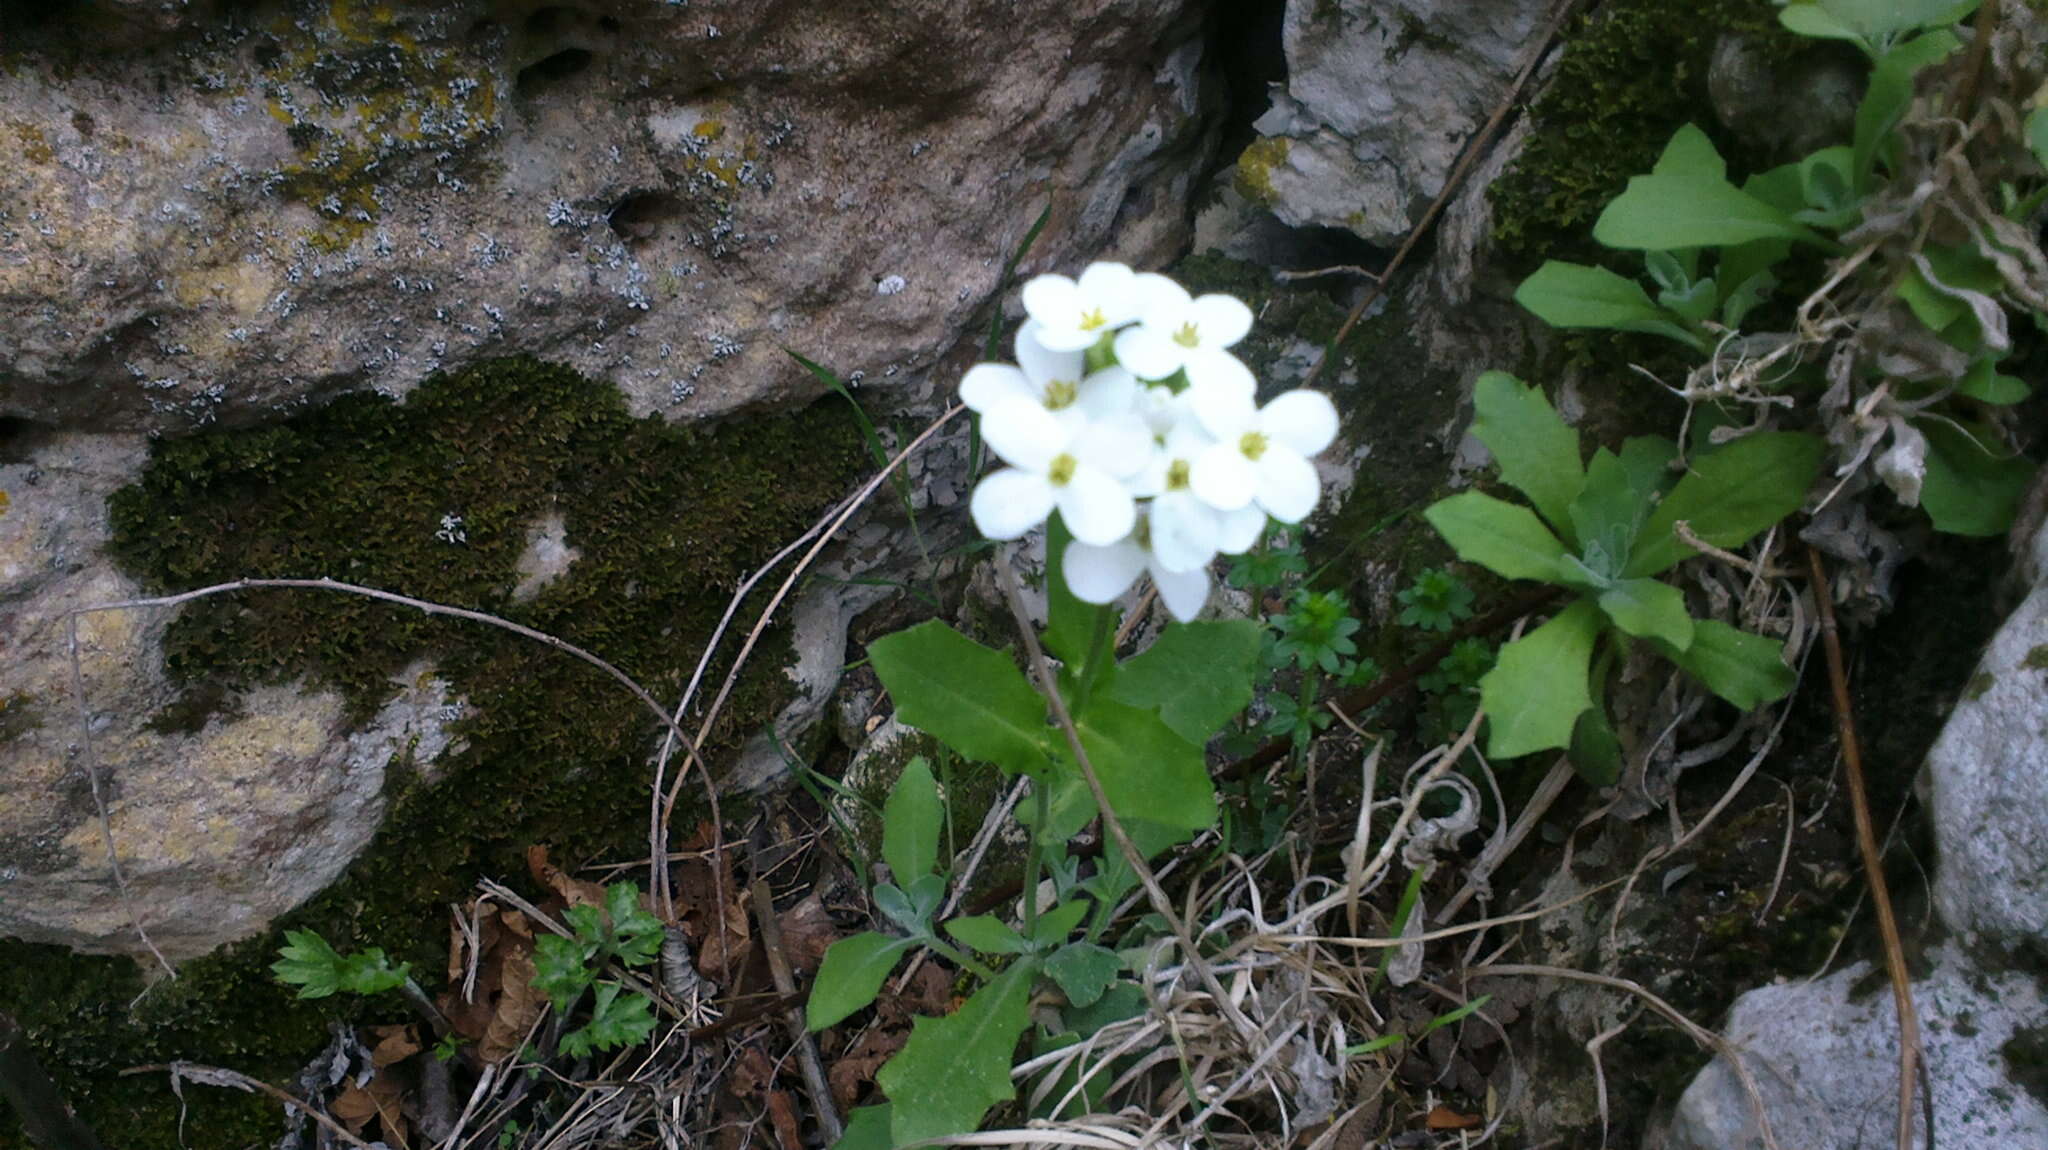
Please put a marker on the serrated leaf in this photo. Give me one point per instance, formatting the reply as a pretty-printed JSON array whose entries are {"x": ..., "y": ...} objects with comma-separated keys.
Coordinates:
[
  {"x": 616, "y": 1020},
  {"x": 1082, "y": 971},
  {"x": 1620, "y": 492},
  {"x": 309, "y": 963},
  {"x": 1503, "y": 537},
  {"x": 1649, "y": 609},
  {"x": 587, "y": 922},
  {"x": 987, "y": 934},
  {"x": 558, "y": 969},
  {"x": 970, "y": 697},
  {"x": 851, "y": 975},
  {"x": 1536, "y": 453},
  {"x": 1729, "y": 496},
  {"x": 1747, "y": 670},
  {"x": 1973, "y": 482},
  {"x": 637, "y": 935},
  {"x": 953, "y": 1069},
  {"x": 912, "y": 819},
  {"x": 1538, "y": 686},
  {"x": 1199, "y": 675},
  {"x": 1568, "y": 295},
  {"x": 1147, "y": 770}
]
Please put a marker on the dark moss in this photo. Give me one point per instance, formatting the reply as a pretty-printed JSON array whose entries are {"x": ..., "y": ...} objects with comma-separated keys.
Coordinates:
[
  {"x": 2037, "y": 659},
  {"x": 18, "y": 716},
  {"x": 2026, "y": 1060},
  {"x": 1631, "y": 73},
  {"x": 666, "y": 521}
]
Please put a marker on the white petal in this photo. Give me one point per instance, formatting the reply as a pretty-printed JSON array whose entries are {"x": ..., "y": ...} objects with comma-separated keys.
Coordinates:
[
  {"x": 1010, "y": 503},
  {"x": 1225, "y": 413},
  {"x": 1183, "y": 531},
  {"x": 1213, "y": 369},
  {"x": 1113, "y": 288},
  {"x": 1185, "y": 593},
  {"x": 1222, "y": 320},
  {"x": 1100, "y": 574},
  {"x": 1108, "y": 393},
  {"x": 1095, "y": 507},
  {"x": 1041, "y": 362},
  {"x": 1238, "y": 531},
  {"x": 1023, "y": 433},
  {"x": 1054, "y": 301},
  {"x": 1288, "y": 487},
  {"x": 1160, "y": 295},
  {"x": 1150, "y": 479},
  {"x": 1148, "y": 352},
  {"x": 1188, "y": 440},
  {"x": 1121, "y": 446},
  {"x": 1223, "y": 478},
  {"x": 986, "y": 383},
  {"x": 1303, "y": 420}
]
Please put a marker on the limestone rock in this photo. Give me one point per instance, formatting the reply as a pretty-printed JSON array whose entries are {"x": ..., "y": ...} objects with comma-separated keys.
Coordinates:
[
  {"x": 267, "y": 204},
  {"x": 1986, "y": 784},
  {"x": 1825, "y": 1060},
  {"x": 218, "y": 830},
  {"x": 1380, "y": 96}
]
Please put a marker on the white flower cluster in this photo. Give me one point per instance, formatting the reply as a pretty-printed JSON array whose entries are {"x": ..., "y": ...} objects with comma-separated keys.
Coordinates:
[{"x": 1127, "y": 413}]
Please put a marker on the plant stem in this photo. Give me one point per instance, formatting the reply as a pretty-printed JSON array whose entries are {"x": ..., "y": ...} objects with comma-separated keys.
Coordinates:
[
  {"x": 1041, "y": 808},
  {"x": 957, "y": 957},
  {"x": 1305, "y": 732},
  {"x": 1098, "y": 655}
]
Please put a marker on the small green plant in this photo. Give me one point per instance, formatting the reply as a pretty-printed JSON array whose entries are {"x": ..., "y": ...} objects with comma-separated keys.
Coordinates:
[
  {"x": 567, "y": 965},
  {"x": 309, "y": 962},
  {"x": 1920, "y": 305},
  {"x": 1605, "y": 531},
  {"x": 1436, "y": 601}
]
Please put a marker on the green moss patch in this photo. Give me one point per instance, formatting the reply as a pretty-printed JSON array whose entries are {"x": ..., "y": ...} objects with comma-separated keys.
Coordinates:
[{"x": 366, "y": 490}]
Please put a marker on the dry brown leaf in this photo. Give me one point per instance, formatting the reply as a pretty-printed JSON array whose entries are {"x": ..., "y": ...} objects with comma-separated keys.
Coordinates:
[
  {"x": 1445, "y": 1118},
  {"x": 782, "y": 1115},
  {"x": 751, "y": 1074},
  {"x": 515, "y": 1008},
  {"x": 856, "y": 1068},
  {"x": 574, "y": 891},
  {"x": 392, "y": 1044},
  {"x": 383, "y": 1099},
  {"x": 807, "y": 932}
]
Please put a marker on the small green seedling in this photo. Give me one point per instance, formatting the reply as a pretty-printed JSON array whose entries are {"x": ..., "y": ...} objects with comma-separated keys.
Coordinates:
[{"x": 566, "y": 966}]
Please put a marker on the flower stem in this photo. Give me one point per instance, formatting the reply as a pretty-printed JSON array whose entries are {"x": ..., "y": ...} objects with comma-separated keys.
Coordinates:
[
  {"x": 958, "y": 957},
  {"x": 1041, "y": 807},
  {"x": 1099, "y": 656}
]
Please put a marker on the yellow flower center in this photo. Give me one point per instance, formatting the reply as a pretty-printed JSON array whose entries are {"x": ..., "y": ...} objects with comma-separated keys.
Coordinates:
[
  {"x": 1188, "y": 335},
  {"x": 1061, "y": 394},
  {"x": 1093, "y": 319},
  {"x": 1062, "y": 470},
  {"x": 1253, "y": 445},
  {"x": 1177, "y": 475}
]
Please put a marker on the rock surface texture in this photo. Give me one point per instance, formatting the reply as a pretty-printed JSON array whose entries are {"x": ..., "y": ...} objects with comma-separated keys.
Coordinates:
[
  {"x": 258, "y": 206},
  {"x": 1380, "y": 97},
  {"x": 222, "y": 214},
  {"x": 1823, "y": 1056}
]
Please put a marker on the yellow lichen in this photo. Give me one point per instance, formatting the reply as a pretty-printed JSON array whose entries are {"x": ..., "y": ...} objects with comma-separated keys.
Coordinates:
[{"x": 1254, "y": 175}]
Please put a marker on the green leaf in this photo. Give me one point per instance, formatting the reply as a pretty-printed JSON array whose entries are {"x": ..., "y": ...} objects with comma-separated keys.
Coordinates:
[
  {"x": 1199, "y": 675},
  {"x": 1955, "y": 267},
  {"x": 1690, "y": 156},
  {"x": 953, "y": 1069},
  {"x": 1537, "y": 454},
  {"x": 987, "y": 934},
  {"x": 1595, "y": 750},
  {"x": 1755, "y": 287},
  {"x": 309, "y": 963},
  {"x": 1125, "y": 1000},
  {"x": 1057, "y": 923},
  {"x": 1810, "y": 19},
  {"x": 851, "y": 975},
  {"x": 1889, "y": 94},
  {"x": 1675, "y": 209},
  {"x": 587, "y": 922},
  {"x": 559, "y": 969},
  {"x": 1070, "y": 623},
  {"x": 616, "y": 1020},
  {"x": 1537, "y": 688},
  {"x": 1619, "y": 494},
  {"x": 1973, "y": 483},
  {"x": 1649, "y": 609},
  {"x": 1147, "y": 770},
  {"x": 1567, "y": 295},
  {"x": 1082, "y": 971},
  {"x": 911, "y": 909},
  {"x": 912, "y": 819},
  {"x": 1729, "y": 496},
  {"x": 1692, "y": 304},
  {"x": 1504, "y": 537},
  {"x": 636, "y": 934},
  {"x": 1984, "y": 384},
  {"x": 1747, "y": 670},
  {"x": 2037, "y": 134},
  {"x": 867, "y": 1127},
  {"x": 970, "y": 697}
]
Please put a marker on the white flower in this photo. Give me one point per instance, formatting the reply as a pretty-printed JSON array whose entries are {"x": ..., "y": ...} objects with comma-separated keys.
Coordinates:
[
  {"x": 1100, "y": 574},
  {"x": 1075, "y": 314},
  {"x": 1077, "y": 467},
  {"x": 1186, "y": 532},
  {"x": 1051, "y": 379},
  {"x": 1178, "y": 332},
  {"x": 1261, "y": 454}
]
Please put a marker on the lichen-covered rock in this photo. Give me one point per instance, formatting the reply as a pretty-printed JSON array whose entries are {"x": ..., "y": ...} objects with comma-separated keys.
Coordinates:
[
  {"x": 1824, "y": 1057},
  {"x": 218, "y": 829},
  {"x": 1986, "y": 785},
  {"x": 264, "y": 205},
  {"x": 1380, "y": 97}
]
